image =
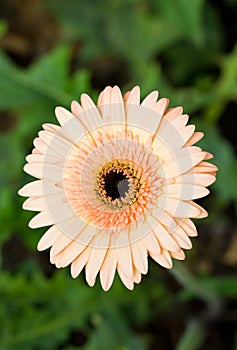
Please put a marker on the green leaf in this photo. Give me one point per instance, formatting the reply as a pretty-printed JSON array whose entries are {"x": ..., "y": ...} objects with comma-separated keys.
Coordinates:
[{"x": 185, "y": 16}]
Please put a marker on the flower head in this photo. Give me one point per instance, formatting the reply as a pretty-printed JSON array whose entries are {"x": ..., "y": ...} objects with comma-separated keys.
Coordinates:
[{"x": 116, "y": 183}]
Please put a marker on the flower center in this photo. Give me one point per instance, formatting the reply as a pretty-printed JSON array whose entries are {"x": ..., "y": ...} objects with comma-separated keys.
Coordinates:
[{"x": 118, "y": 184}]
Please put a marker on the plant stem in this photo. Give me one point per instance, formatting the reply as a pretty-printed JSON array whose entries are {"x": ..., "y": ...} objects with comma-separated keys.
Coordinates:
[{"x": 196, "y": 329}]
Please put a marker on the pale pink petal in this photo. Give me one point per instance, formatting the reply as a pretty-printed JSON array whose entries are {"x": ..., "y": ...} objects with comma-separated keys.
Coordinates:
[
  {"x": 179, "y": 208},
  {"x": 196, "y": 178},
  {"x": 128, "y": 282},
  {"x": 179, "y": 255},
  {"x": 173, "y": 113},
  {"x": 163, "y": 259},
  {"x": 197, "y": 136},
  {"x": 51, "y": 127},
  {"x": 108, "y": 269},
  {"x": 182, "y": 239},
  {"x": 76, "y": 108},
  {"x": 124, "y": 259},
  {"x": 34, "y": 203},
  {"x": 181, "y": 161},
  {"x": 164, "y": 238},
  {"x": 99, "y": 249},
  {"x": 40, "y": 145},
  {"x": 150, "y": 243},
  {"x": 63, "y": 115},
  {"x": 137, "y": 276},
  {"x": 48, "y": 238},
  {"x": 134, "y": 96},
  {"x": 208, "y": 156},
  {"x": 186, "y": 191},
  {"x": 32, "y": 189},
  {"x": 161, "y": 105},
  {"x": 78, "y": 264},
  {"x": 70, "y": 253},
  {"x": 150, "y": 99},
  {"x": 139, "y": 257},
  {"x": 41, "y": 220}
]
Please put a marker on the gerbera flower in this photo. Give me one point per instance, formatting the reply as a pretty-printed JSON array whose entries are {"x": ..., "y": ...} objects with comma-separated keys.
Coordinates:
[{"x": 116, "y": 184}]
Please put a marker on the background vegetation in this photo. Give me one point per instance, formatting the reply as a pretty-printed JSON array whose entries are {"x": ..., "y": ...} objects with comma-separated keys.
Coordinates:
[{"x": 50, "y": 52}]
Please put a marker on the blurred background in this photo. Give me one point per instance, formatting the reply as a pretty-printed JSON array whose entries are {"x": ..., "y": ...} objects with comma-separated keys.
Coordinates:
[{"x": 52, "y": 51}]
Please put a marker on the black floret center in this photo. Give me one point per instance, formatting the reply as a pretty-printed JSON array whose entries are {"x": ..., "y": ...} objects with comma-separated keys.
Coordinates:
[{"x": 116, "y": 184}]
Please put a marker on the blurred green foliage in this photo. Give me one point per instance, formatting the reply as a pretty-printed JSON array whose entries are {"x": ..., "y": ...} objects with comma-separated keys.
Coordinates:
[{"x": 179, "y": 47}]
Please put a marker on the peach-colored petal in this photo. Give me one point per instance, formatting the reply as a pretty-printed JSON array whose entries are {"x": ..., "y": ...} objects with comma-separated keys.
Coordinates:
[
  {"x": 179, "y": 255},
  {"x": 186, "y": 191},
  {"x": 63, "y": 115},
  {"x": 181, "y": 161},
  {"x": 32, "y": 189},
  {"x": 78, "y": 264},
  {"x": 49, "y": 237},
  {"x": 139, "y": 257},
  {"x": 137, "y": 276},
  {"x": 108, "y": 269},
  {"x": 163, "y": 259},
  {"x": 197, "y": 136},
  {"x": 134, "y": 96},
  {"x": 128, "y": 282},
  {"x": 165, "y": 239},
  {"x": 182, "y": 239},
  {"x": 41, "y": 220},
  {"x": 76, "y": 108},
  {"x": 150, "y": 99},
  {"x": 97, "y": 255},
  {"x": 173, "y": 113}
]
